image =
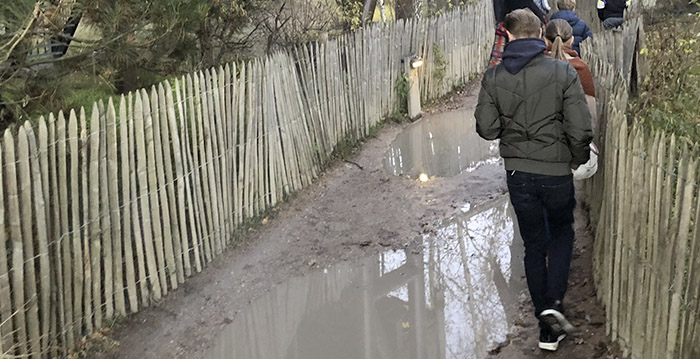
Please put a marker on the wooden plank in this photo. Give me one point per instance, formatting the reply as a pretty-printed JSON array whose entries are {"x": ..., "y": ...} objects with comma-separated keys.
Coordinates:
[
  {"x": 127, "y": 230},
  {"x": 145, "y": 185},
  {"x": 691, "y": 286},
  {"x": 7, "y": 341},
  {"x": 156, "y": 237},
  {"x": 648, "y": 209},
  {"x": 663, "y": 264},
  {"x": 194, "y": 159},
  {"x": 617, "y": 267},
  {"x": 95, "y": 222},
  {"x": 136, "y": 199},
  {"x": 64, "y": 241},
  {"x": 86, "y": 228},
  {"x": 259, "y": 164},
  {"x": 105, "y": 218},
  {"x": 654, "y": 231},
  {"x": 686, "y": 175},
  {"x": 627, "y": 242},
  {"x": 167, "y": 111},
  {"x": 230, "y": 125},
  {"x": 203, "y": 183},
  {"x": 112, "y": 171},
  {"x": 243, "y": 94},
  {"x": 212, "y": 158},
  {"x": 17, "y": 245},
  {"x": 75, "y": 223},
  {"x": 180, "y": 178},
  {"x": 220, "y": 126},
  {"x": 192, "y": 223},
  {"x": 250, "y": 119},
  {"x": 41, "y": 240},
  {"x": 170, "y": 268},
  {"x": 638, "y": 219}
]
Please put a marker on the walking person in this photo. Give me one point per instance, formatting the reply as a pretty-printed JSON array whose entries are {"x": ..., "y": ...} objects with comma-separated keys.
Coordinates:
[
  {"x": 580, "y": 28},
  {"x": 612, "y": 12},
  {"x": 537, "y": 108},
  {"x": 500, "y": 9}
]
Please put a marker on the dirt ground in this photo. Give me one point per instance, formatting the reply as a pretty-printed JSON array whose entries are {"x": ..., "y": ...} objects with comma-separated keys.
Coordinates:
[{"x": 350, "y": 212}]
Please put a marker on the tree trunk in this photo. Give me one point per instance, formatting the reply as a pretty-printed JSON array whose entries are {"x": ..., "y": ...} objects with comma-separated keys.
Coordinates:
[
  {"x": 128, "y": 80},
  {"x": 368, "y": 10},
  {"x": 206, "y": 48}
]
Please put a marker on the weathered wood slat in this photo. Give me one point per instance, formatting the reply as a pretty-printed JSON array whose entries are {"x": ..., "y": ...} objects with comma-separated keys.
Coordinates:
[
  {"x": 112, "y": 171},
  {"x": 136, "y": 200},
  {"x": 146, "y": 184},
  {"x": 85, "y": 228},
  {"x": 187, "y": 175},
  {"x": 41, "y": 241},
  {"x": 168, "y": 267},
  {"x": 167, "y": 113},
  {"x": 126, "y": 204},
  {"x": 6, "y": 310},
  {"x": 17, "y": 245}
]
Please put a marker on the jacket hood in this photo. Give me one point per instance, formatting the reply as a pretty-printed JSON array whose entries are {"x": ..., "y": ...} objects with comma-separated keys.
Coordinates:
[{"x": 518, "y": 53}]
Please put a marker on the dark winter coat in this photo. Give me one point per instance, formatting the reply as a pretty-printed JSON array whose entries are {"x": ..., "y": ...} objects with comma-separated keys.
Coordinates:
[
  {"x": 581, "y": 29},
  {"x": 611, "y": 8},
  {"x": 536, "y": 106},
  {"x": 501, "y": 8}
]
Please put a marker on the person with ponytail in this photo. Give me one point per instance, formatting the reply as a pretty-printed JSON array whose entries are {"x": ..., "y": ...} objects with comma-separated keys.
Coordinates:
[{"x": 559, "y": 37}]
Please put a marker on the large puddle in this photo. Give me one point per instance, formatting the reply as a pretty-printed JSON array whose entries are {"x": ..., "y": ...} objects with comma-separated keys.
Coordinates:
[
  {"x": 442, "y": 145},
  {"x": 452, "y": 301}
]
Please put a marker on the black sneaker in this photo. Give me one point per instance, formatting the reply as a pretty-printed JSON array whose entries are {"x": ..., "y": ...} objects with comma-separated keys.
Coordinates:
[
  {"x": 557, "y": 321},
  {"x": 549, "y": 340}
]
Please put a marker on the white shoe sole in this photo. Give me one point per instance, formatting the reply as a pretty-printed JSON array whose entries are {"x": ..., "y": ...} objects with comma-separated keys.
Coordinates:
[
  {"x": 566, "y": 326},
  {"x": 552, "y": 347}
]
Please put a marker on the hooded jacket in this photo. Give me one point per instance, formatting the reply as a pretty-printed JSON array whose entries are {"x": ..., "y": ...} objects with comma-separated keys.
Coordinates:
[
  {"x": 536, "y": 106},
  {"x": 581, "y": 29}
]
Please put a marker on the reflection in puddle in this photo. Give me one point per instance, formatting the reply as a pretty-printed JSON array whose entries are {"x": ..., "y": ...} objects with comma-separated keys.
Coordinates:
[
  {"x": 452, "y": 301},
  {"x": 442, "y": 145}
]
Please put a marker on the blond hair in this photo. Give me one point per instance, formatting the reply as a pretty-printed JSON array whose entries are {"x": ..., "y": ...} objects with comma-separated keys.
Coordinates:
[
  {"x": 558, "y": 32},
  {"x": 566, "y": 4},
  {"x": 522, "y": 23}
]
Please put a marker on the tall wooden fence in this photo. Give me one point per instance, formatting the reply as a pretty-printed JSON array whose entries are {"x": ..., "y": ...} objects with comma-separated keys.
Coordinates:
[
  {"x": 104, "y": 211},
  {"x": 646, "y": 214}
]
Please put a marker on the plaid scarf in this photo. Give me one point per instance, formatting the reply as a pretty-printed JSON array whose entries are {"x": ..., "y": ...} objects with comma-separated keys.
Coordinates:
[{"x": 499, "y": 43}]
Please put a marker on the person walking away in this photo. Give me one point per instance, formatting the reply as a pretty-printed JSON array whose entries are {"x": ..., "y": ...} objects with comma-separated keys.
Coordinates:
[
  {"x": 612, "y": 12},
  {"x": 559, "y": 37},
  {"x": 500, "y": 9},
  {"x": 580, "y": 28},
  {"x": 537, "y": 108}
]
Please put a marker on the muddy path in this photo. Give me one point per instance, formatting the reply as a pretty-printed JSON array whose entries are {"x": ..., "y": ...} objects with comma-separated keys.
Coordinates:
[{"x": 371, "y": 262}]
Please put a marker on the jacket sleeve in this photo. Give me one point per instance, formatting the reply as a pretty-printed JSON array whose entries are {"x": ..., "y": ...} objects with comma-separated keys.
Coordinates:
[
  {"x": 577, "y": 119},
  {"x": 488, "y": 119}
]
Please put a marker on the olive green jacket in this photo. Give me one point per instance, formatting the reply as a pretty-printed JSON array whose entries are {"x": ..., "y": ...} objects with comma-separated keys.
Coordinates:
[{"x": 539, "y": 114}]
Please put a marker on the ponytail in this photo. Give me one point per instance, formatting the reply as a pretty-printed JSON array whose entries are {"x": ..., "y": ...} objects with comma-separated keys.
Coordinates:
[
  {"x": 558, "y": 49},
  {"x": 558, "y": 32}
]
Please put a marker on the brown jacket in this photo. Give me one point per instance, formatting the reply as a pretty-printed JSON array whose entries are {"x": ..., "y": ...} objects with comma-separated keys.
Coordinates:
[{"x": 584, "y": 72}]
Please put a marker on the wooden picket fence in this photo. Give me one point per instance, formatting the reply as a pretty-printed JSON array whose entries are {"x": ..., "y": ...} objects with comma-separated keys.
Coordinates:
[
  {"x": 646, "y": 215},
  {"x": 104, "y": 211}
]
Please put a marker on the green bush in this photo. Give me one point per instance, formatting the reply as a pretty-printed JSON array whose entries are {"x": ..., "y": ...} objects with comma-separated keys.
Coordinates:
[{"x": 668, "y": 98}]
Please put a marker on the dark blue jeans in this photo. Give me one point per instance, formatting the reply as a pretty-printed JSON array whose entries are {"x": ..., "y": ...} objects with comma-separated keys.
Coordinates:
[{"x": 548, "y": 241}]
